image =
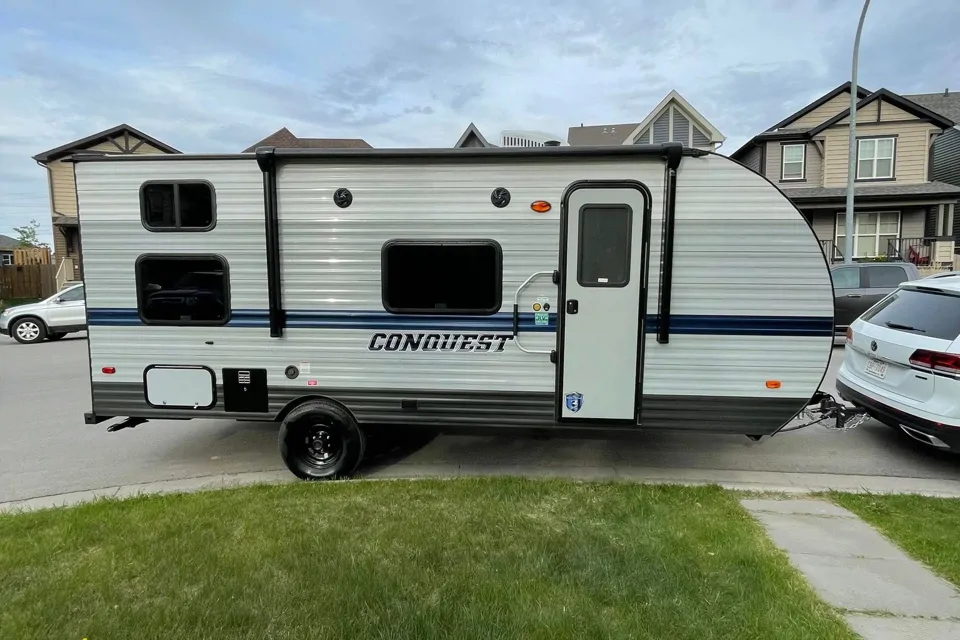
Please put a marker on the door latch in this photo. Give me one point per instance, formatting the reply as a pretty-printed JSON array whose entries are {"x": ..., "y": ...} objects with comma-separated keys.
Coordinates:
[{"x": 572, "y": 306}]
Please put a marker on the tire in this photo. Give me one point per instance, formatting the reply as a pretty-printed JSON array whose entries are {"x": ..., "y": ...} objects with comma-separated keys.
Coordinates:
[
  {"x": 28, "y": 331},
  {"x": 320, "y": 440},
  {"x": 53, "y": 337}
]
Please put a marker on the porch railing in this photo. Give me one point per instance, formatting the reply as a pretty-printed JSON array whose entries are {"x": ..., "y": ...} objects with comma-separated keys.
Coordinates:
[
  {"x": 923, "y": 252},
  {"x": 831, "y": 251}
]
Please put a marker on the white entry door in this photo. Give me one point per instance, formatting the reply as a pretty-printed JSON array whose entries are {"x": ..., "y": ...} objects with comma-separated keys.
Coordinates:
[{"x": 603, "y": 284}]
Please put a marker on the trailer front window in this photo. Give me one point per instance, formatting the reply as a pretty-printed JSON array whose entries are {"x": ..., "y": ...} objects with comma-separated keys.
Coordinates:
[
  {"x": 182, "y": 290},
  {"x": 443, "y": 277}
]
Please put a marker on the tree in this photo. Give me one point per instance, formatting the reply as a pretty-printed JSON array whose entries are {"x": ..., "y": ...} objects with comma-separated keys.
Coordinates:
[{"x": 27, "y": 235}]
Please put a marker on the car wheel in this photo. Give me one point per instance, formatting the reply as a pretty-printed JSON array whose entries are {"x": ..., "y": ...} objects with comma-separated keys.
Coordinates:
[
  {"x": 321, "y": 440},
  {"x": 53, "y": 337},
  {"x": 28, "y": 331}
]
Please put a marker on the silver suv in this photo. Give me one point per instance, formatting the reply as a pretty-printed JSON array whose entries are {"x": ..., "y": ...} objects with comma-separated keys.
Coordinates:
[{"x": 49, "y": 319}]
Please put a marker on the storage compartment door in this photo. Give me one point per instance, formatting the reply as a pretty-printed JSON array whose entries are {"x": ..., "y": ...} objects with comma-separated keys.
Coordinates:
[{"x": 180, "y": 387}]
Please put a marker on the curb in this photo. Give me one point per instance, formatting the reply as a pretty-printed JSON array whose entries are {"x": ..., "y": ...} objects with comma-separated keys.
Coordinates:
[{"x": 754, "y": 481}]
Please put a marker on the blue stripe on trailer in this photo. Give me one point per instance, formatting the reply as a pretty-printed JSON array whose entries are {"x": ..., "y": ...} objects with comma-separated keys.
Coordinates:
[{"x": 728, "y": 325}]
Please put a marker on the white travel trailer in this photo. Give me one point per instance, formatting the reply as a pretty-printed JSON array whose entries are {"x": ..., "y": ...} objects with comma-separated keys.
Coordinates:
[{"x": 559, "y": 289}]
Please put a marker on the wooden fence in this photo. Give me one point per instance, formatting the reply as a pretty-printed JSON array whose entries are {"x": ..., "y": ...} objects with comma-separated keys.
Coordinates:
[
  {"x": 28, "y": 281},
  {"x": 31, "y": 255}
]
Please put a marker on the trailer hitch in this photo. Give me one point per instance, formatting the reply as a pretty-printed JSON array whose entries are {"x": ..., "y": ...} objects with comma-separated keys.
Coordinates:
[{"x": 826, "y": 411}]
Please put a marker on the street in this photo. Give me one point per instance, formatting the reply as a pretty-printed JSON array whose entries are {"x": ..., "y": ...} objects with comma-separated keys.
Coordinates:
[{"x": 46, "y": 449}]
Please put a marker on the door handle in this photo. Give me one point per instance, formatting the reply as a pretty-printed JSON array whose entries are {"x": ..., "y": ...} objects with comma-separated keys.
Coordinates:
[
  {"x": 572, "y": 306},
  {"x": 854, "y": 295}
]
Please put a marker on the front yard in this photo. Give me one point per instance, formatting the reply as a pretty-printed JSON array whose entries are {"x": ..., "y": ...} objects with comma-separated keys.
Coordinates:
[{"x": 473, "y": 558}]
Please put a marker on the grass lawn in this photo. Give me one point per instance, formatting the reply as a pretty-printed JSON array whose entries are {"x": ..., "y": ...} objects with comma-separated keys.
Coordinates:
[
  {"x": 13, "y": 302},
  {"x": 926, "y": 528},
  {"x": 472, "y": 558}
]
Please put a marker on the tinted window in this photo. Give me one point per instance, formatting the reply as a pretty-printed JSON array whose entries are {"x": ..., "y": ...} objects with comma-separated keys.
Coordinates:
[
  {"x": 170, "y": 206},
  {"x": 182, "y": 290},
  {"x": 455, "y": 277},
  {"x": 846, "y": 278},
  {"x": 886, "y": 276},
  {"x": 604, "y": 252},
  {"x": 73, "y": 295},
  {"x": 934, "y": 315}
]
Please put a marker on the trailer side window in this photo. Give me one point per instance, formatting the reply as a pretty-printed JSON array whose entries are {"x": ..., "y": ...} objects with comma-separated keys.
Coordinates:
[
  {"x": 177, "y": 206},
  {"x": 183, "y": 289},
  {"x": 445, "y": 277},
  {"x": 604, "y": 251}
]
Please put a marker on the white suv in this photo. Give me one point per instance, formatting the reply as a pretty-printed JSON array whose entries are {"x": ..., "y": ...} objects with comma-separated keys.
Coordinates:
[
  {"x": 52, "y": 318},
  {"x": 902, "y": 361}
]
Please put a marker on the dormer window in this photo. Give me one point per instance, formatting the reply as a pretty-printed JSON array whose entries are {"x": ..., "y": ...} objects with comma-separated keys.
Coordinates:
[{"x": 794, "y": 158}]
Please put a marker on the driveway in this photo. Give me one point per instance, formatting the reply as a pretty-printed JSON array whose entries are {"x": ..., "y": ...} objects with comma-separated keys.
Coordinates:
[{"x": 46, "y": 449}]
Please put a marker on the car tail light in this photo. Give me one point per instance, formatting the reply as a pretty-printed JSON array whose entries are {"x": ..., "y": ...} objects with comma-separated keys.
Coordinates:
[
  {"x": 849, "y": 339},
  {"x": 936, "y": 360}
]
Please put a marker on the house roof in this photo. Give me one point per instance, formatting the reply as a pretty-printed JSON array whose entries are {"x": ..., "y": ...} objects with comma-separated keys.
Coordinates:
[
  {"x": 946, "y": 104},
  {"x": 102, "y": 136},
  {"x": 600, "y": 134},
  {"x": 285, "y": 139},
  {"x": 8, "y": 244},
  {"x": 894, "y": 99},
  {"x": 674, "y": 96},
  {"x": 822, "y": 100},
  {"x": 472, "y": 130},
  {"x": 875, "y": 191}
]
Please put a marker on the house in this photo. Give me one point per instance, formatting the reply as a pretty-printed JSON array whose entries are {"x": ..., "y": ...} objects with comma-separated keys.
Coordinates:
[
  {"x": 472, "y": 137},
  {"x": 284, "y": 138},
  {"x": 900, "y": 211},
  {"x": 946, "y": 150},
  {"x": 7, "y": 245},
  {"x": 672, "y": 120},
  {"x": 62, "y": 187}
]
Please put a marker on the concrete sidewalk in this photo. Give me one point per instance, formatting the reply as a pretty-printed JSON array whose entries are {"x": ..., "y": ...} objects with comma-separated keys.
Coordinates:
[
  {"x": 884, "y": 594},
  {"x": 761, "y": 481}
]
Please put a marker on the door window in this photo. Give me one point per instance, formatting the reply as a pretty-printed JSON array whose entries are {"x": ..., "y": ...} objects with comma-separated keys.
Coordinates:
[
  {"x": 846, "y": 278},
  {"x": 886, "y": 277},
  {"x": 604, "y": 251},
  {"x": 73, "y": 295}
]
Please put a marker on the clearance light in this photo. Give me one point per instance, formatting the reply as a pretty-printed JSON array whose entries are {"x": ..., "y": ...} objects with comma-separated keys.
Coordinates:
[
  {"x": 849, "y": 338},
  {"x": 773, "y": 384},
  {"x": 109, "y": 370},
  {"x": 540, "y": 206}
]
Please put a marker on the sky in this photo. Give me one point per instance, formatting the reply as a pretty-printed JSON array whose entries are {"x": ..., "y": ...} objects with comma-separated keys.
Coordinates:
[{"x": 217, "y": 75}]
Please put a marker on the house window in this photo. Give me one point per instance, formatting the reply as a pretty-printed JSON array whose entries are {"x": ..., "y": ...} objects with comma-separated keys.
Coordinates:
[
  {"x": 875, "y": 158},
  {"x": 794, "y": 157},
  {"x": 177, "y": 206},
  {"x": 456, "y": 277},
  {"x": 6, "y": 259},
  {"x": 872, "y": 233},
  {"x": 183, "y": 289},
  {"x": 604, "y": 245}
]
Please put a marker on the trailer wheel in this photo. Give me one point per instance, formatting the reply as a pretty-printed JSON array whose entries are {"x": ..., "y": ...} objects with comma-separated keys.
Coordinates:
[{"x": 320, "y": 440}]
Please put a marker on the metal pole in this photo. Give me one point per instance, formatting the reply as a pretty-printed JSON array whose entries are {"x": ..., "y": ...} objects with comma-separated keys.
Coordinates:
[{"x": 852, "y": 166}]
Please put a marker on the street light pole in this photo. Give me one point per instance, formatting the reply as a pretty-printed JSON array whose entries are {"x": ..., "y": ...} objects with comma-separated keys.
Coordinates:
[{"x": 852, "y": 166}]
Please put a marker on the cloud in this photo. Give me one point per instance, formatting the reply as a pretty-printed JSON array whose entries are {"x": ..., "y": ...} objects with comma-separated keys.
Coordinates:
[{"x": 219, "y": 75}]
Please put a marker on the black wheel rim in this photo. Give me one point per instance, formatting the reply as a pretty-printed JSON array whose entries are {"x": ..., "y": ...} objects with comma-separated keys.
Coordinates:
[{"x": 322, "y": 446}]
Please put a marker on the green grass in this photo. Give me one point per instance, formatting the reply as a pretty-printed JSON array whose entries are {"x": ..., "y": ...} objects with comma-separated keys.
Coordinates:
[
  {"x": 13, "y": 302},
  {"x": 926, "y": 528},
  {"x": 475, "y": 558}
]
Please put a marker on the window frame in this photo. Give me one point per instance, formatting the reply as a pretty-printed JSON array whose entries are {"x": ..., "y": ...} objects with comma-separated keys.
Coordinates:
[
  {"x": 839, "y": 225},
  {"x": 485, "y": 242},
  {"x": 176, "y": 207},
  {"x": 783, "y": 162},
  {"x": 184, "y": 256},
  {"x": 893, "y": 158},
  {"x": 629, "y": 253},
  {"x": 6, "y": 260}
]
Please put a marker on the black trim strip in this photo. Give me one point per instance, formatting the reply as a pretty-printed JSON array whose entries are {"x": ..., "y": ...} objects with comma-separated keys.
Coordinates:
[
  {"x": 673, "y": 156},
  {"x": 267, "y": 162}
]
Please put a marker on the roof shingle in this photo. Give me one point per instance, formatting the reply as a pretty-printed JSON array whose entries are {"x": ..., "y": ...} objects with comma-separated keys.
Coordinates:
[
  {"x": 893, "y": 190},
  {"x": 946, "y": 104},
  {"x": 285, "y": 139}
]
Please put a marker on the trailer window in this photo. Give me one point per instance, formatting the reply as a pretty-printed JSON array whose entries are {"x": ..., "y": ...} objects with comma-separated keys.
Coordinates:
[
  {"x": 183, "y": 290},
  {"x": 177, "y": 206},
  {"x": 446, "y": 277},
  {"x": 604, "y": 251}
]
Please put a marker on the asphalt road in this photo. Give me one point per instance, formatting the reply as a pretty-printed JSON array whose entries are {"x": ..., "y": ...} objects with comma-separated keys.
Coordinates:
[{"x": 46, "y": 449}]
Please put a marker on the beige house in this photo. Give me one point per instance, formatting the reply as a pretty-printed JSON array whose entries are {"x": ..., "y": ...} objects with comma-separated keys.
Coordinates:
[
  {"x": 672, "y": 120},
  {"x": 900, "y": 212},
  {"x": 62, "y": 186}
]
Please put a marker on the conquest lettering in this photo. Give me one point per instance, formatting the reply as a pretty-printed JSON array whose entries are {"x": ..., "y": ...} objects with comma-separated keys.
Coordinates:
[{"x": 446, "y": 342}]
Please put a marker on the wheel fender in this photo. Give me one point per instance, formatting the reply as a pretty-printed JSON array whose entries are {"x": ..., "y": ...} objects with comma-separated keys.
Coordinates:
[{"x": 296, "y": 402}]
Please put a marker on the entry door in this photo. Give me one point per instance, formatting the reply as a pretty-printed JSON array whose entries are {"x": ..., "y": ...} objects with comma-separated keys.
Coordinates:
[{"x": 603, "y": 284}]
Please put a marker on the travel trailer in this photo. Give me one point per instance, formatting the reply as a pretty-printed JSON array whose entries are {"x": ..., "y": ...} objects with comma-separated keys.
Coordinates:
[{"x": 575, "y": 290}]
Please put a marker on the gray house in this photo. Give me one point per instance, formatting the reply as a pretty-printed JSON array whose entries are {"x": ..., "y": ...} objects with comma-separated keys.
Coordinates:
[
  {"x": 7, "y": 245},
  {"x": 900, "y": 211},
  {"x": 946, "y": 150}
]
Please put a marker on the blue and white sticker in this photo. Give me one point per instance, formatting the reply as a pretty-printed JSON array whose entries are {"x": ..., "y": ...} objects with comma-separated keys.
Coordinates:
[{"x": 574, "y": 401}]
